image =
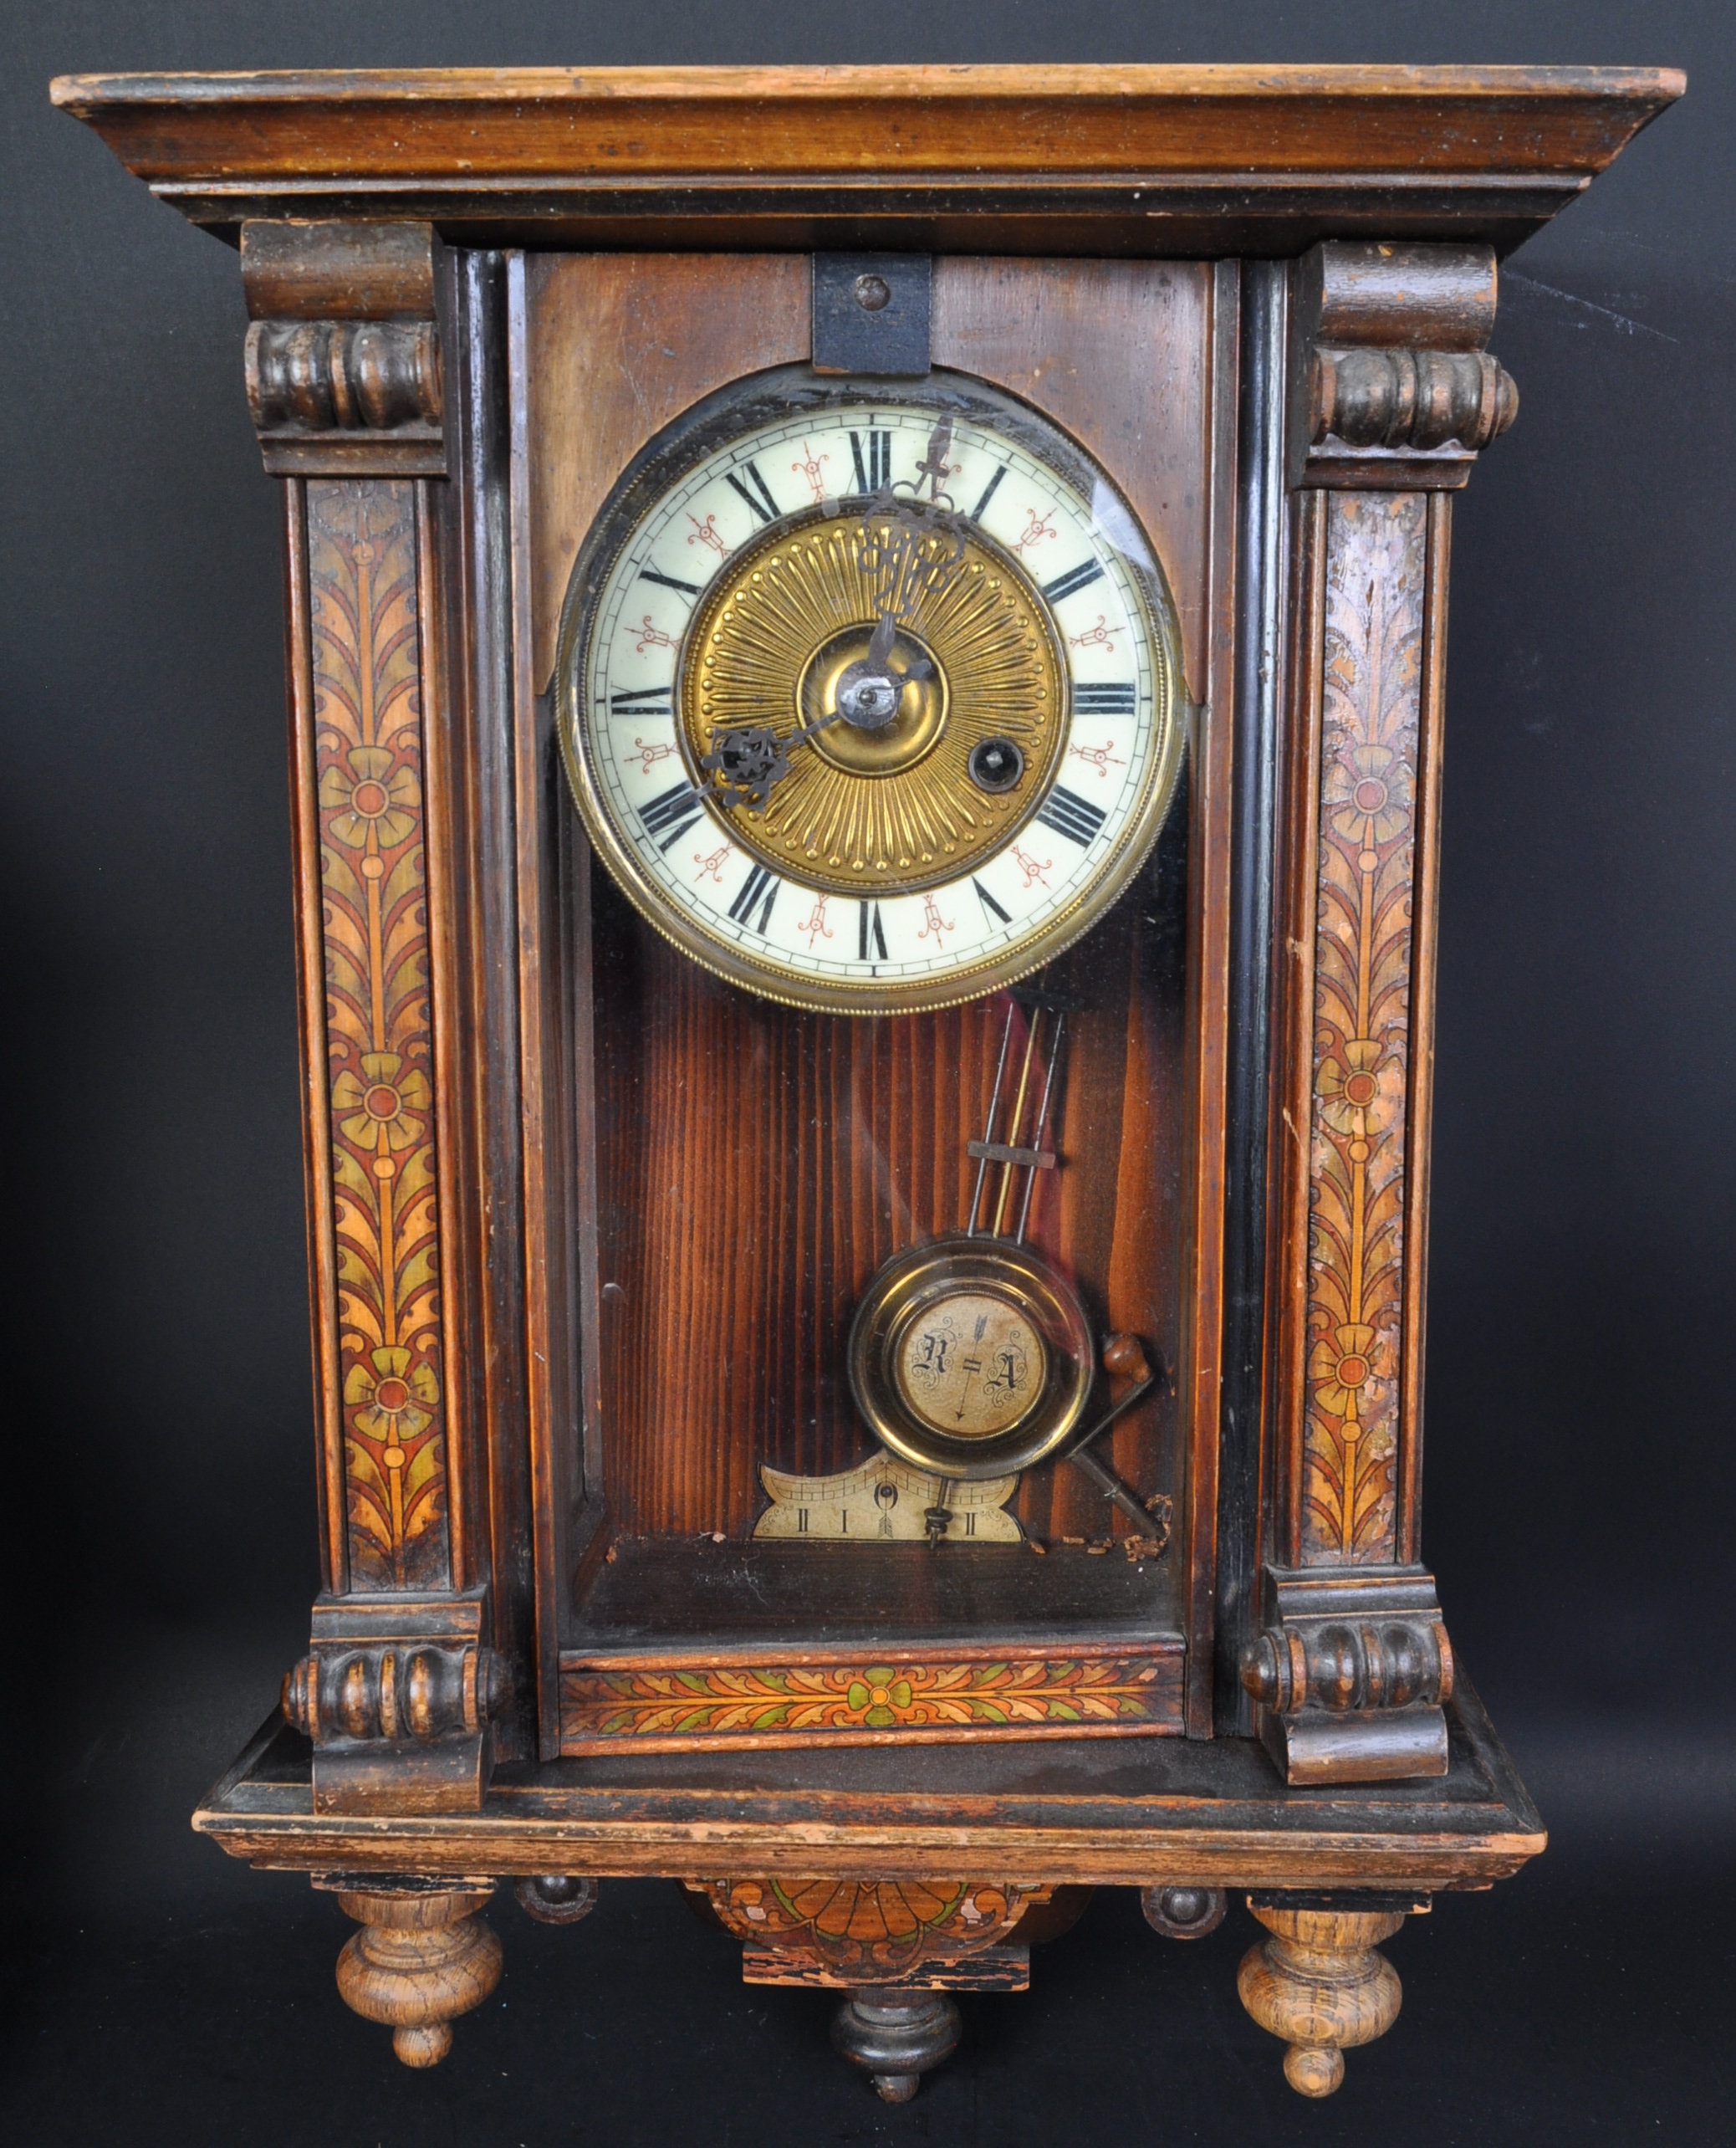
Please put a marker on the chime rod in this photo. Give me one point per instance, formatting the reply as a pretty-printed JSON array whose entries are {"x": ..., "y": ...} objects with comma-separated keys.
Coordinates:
[
  {"x": 994, "y": 1106},
  {"x": 1005, "y": 1198},
  {"x": 1030, "y": 1169}
]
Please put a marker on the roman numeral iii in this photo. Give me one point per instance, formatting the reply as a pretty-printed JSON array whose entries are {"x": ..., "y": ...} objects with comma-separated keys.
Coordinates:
[
  {"x": 1102, "y": 700},
  {"x": 1071, "y": 815}
]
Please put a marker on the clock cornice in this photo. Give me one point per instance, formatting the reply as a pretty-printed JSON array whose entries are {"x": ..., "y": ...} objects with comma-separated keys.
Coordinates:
[{"x": 1083, "y": 159}]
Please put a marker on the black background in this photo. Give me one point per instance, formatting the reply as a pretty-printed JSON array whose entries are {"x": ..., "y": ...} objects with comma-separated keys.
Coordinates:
[{"x": 1580, "y": 1466}]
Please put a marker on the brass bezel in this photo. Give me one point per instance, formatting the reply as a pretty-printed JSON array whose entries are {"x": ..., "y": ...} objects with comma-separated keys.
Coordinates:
[
  {"x": 773, "y": 398},
  {"x": 923, "y": 1274}
]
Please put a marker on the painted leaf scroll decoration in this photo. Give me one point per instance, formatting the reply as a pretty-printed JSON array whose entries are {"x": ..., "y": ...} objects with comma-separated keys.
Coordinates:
[
  {"x": 361, "y": 558},
  {"x": 1374, "y": 580}
]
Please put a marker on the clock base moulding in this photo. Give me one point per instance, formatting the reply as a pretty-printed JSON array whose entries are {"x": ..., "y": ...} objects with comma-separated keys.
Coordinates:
[{"x": 842, "y": 1870}]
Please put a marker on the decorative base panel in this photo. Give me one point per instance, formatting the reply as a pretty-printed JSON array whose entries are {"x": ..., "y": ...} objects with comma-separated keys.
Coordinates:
[{"x": 652, "y": 1704}]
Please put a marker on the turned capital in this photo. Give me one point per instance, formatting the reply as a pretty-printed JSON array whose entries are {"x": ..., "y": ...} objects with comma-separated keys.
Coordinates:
[
  {"x": 344, "y": 371},
  {"x": 1391, "y": 388}
]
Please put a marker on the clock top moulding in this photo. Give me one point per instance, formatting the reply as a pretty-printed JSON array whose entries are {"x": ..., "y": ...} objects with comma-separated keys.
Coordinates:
[
  {"x": 1142, "y": 161},
  {"x": 362, "y": 364}
]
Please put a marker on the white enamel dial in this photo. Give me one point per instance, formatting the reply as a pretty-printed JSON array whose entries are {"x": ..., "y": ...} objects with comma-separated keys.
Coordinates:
[{"x": 733, "y": 591}]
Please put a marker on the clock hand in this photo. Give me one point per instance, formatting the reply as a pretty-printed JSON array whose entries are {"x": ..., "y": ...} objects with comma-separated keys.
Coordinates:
[{"x": 749, "y": 761}]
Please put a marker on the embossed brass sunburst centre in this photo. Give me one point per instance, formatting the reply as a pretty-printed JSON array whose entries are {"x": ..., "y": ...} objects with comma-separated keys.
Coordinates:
[
  {"x": 870, "y": 748},
  {"x": 879, "y": 795}
]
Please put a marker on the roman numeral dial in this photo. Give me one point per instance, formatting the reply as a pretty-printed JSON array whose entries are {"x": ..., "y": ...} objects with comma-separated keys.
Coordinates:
[{"x": 870, "y": 696}]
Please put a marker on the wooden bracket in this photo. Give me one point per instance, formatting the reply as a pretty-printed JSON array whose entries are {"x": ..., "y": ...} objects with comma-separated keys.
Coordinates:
[
  {"x": 845, "y": 1935},
  {"x": 871, "y": 314},
  {"x": 343, "y": 355},
  {"x": 399, "y": 1696},
  {"x": 1349, "y": 1673},
  {"x": 1391, "y": 389}
]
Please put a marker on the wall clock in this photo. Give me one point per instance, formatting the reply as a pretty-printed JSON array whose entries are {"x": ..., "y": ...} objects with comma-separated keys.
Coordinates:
[{"x": 866, "y": 686}]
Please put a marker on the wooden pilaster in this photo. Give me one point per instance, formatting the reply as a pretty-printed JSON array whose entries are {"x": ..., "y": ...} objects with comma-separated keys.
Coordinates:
[
  {"x": 1391, "y": 396},
  {"x": 345, "y": 383}
]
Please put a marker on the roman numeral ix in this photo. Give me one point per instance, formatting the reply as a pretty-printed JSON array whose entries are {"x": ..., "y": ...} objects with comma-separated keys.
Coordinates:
[
  {"x": 668, "y": 582},
  {"x": 1071, "y": 815},
  {"x": 1102, "y": 700},
  {"x": 761, "y": 881},
  {"x": 760, "y": 497}
]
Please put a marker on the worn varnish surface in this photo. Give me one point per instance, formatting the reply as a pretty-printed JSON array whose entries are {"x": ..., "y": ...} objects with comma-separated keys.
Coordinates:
[
  {"x": 1039, "y": 328},
  {"x": 758, "y": 1164},
  {"x": 619, "y": 345},
  {"x": 1134, "y": 1811},
  {"x": 686, "y": 122}
]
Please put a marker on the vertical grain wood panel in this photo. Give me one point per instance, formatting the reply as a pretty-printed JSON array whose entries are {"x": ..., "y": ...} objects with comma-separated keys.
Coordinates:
[
  {"x": 1426, "y": 907},
  {"x": 1294, "y": 1050},
  {"x": 1211, "y": 777},
  {"x": 1112, "y": 351},
  {"x": 624, "y": 343},
  {"x": 467, "y": 1480},
  {"x": 316, "y": 1077}
]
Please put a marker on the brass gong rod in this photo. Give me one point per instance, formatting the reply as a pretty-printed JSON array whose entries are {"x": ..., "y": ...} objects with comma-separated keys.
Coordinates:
[
  {"x": 994, "y": 1106},
  {"x": 1015, "y": 1122},
  {"x": 1030, "y": 1169}
]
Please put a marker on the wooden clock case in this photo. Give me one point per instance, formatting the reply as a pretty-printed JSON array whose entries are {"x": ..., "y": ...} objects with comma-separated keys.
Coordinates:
[{"x": 586, "y": 1224}]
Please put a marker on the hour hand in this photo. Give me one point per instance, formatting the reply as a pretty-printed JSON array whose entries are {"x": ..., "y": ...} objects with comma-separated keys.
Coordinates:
[{"x": 746, "y": 763}]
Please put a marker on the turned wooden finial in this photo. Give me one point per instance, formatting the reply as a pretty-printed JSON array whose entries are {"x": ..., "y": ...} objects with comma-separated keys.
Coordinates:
[
  {"x": 1319, "y": 1983},
  {"x": 1123, "y": 1355},
  {"x": 421, "y": 1957}
]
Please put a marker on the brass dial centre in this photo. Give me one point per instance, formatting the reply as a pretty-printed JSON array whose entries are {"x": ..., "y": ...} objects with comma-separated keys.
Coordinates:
[{"x": 896, "y": 644}]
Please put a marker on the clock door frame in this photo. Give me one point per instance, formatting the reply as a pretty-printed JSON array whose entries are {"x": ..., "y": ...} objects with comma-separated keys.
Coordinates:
[{"x": 1011, "y": 320}]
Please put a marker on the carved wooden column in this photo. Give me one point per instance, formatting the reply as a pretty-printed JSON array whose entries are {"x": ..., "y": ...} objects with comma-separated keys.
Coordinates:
[
  {"x": 399, "y": 1685},
  {"x": 1392, "y": 396}
]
